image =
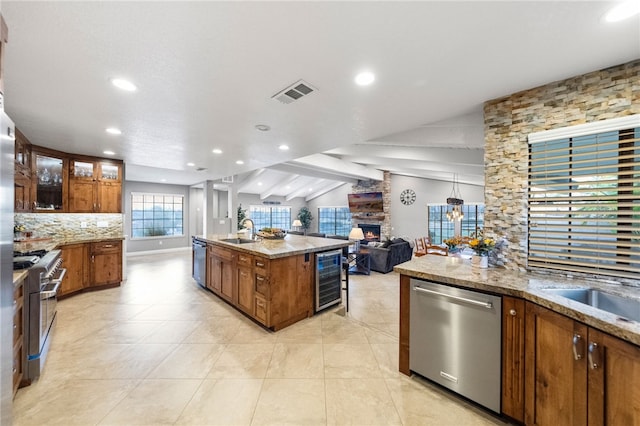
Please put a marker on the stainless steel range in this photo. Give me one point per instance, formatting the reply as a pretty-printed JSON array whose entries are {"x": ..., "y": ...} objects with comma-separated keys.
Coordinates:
[{"x": 41, "y": 289}]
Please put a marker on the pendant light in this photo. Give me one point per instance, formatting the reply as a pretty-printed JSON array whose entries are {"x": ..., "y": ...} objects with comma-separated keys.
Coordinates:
[{"x": 456, "y": 201}]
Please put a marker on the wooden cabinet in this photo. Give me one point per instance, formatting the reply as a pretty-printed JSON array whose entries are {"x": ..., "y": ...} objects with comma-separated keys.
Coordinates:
[
  {"x": 245, "y": 280},
  {"x": 49, "y": 175},
  {"x": 75, "y": 261},
  {"x": 91, "y": 266},
  {"x": 95, "y": 186},
  {"x": 578, "y": 375},
  {"x": 18, "y": 334},
  {"x": 106, "y": 263},
  {"x": 513, "y": 338},
  {"x": 274, "y": 292},
  {"x": 22, "y": 174}
]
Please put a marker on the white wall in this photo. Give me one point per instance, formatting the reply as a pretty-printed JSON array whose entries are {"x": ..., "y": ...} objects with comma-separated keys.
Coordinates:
[
  {"x": 335, "y": 198},
  {"x": 411, "y": 221},
  {"x": 155, "y": 243}
]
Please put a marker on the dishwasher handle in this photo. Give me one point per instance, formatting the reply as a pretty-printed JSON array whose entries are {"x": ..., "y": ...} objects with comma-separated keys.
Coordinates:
[{"x": 480, "y": 303}]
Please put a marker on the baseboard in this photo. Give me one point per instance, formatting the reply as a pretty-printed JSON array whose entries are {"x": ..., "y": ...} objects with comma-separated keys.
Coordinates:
[{"x": 162, "y": 251}]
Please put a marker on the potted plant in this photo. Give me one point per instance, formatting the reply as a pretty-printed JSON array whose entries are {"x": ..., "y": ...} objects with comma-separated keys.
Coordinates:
[{"x": 305, "y": 217}]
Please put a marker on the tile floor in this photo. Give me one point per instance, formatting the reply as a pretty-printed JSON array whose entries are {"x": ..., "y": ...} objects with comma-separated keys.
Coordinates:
[{"x": 160, "y": 350}]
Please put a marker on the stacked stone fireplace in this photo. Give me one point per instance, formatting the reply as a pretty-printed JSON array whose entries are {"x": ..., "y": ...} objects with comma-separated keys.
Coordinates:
[{"x": 383, "y": 220}]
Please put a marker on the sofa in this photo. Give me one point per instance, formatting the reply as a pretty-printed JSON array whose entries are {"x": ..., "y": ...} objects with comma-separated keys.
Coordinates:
[{"x": 389, "y": 254}]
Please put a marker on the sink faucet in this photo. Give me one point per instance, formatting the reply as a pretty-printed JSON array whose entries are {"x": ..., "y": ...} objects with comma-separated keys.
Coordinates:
[{"x": 251, "y": 227}]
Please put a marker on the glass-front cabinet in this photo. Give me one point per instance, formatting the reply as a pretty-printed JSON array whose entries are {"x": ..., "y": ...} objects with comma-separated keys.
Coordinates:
[
  {"x": 95, "y": 186},
  {"x": 49, "y": 182}
]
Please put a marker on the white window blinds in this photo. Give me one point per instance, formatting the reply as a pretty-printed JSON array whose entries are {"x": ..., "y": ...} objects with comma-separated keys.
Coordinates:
[{"x": 584, "y": 198}]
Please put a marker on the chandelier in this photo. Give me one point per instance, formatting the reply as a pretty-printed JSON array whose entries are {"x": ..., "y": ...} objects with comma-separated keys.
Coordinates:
[{"x": 456, "y": 201}]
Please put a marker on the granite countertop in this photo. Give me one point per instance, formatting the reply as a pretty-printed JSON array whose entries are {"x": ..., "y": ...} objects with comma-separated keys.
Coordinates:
[
  {"x": 291, "y": 245},
  {"x": 529, "y": 286},
  {"x": 49, "y": 244}
]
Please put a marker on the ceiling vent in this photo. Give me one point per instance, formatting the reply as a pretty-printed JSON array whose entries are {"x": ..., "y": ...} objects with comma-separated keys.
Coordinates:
[
  {"x": 201, "y": 169},
  {"x": 294, "y": 92},
  {"x": 227, "y": 179}
]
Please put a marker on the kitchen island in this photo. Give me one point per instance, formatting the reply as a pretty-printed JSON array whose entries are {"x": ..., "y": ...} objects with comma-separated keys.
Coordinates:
[
  {"x": 552, "y": 346},
  {"x": 271, "y": 281}
]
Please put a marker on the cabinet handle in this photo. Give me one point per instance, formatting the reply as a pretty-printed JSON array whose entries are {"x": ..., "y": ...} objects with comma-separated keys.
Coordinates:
[
  {"x": 243, "y": 259},
  {"x": 259, "y": 278},
  {"x": 93, "y": 258},
  {"x": 108, "y": 246},
  {"x": 593, "y": 355},
  {"x": 259, "y": 264},
  {"x": 513, "y": 312},
  {"x": 577, "y": 352}
]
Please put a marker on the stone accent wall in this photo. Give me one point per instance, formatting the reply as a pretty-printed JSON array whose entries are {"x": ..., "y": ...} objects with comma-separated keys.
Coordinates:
[
  {"x": 63, "y": 227},
  {"x": 377, "y": 186},
  {"x": 599, "y": 95}
]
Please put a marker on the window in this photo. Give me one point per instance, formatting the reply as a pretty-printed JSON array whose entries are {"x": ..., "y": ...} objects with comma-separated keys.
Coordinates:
[
  {"x": 270, "y": 217},
  {"x": 154, "y": 215},
  {"x": 334, "y": 220},
  {"x": 584, "y": 199},
  {"x": 440, "y": 228}
]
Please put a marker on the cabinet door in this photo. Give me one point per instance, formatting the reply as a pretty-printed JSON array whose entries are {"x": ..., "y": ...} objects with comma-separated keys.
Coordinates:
[
  {"x": 109, "y": 197},
  {"x": 214, "y": 273},
  {"x": 82, "y": 196},
  {"x": 75, "y": 260},
  {"x": 22, "y": 193},
  {"x": 106, "y": 263},
  {"x": 513, "y": 326},
  {"x": 556, "y": 373},
  {"x": 614, "y": 375},
  {"x": 49, "y": 182},
  {"x": 226, "y": 281},
  {"x": 245, "y": 289}
]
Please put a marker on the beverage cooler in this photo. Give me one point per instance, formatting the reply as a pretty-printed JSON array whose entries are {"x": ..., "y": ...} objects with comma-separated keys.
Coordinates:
[{"x": 328, "y": 279}]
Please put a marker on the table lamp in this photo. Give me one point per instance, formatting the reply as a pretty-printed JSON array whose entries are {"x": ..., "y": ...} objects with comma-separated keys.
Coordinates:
[
  {"x": 296, "y": 225},
  {"x": 356, "y": 235}
]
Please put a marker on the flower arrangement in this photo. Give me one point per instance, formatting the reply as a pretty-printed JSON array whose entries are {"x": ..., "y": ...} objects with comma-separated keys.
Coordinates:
[
  {"x": 453, "y": 242},
  {"x": 481, "y": 244}
]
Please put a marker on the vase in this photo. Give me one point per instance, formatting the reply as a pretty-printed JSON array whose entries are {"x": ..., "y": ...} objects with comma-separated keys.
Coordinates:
[{"x": 479, "y": 261}]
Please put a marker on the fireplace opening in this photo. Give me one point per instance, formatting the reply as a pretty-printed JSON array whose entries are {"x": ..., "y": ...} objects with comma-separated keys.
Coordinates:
[{"x": 371, "y": 232}]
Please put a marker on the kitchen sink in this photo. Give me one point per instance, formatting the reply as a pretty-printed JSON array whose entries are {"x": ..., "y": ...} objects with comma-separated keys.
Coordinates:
[
  {"x": 612, "y": 303},
  {"x": 238, "y": 240}
]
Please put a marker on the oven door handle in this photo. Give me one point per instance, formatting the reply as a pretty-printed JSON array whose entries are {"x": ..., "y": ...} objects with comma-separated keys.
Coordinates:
[
  {"x": 48, "y": 294},
  {"x": 60, "y": 277}
]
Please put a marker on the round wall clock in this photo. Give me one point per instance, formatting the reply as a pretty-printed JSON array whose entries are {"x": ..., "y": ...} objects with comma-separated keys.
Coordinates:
[{"x": 408, "y": 196}]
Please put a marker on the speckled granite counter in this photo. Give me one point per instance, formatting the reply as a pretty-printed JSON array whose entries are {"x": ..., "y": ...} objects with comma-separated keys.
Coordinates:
[
  {"x": 529, "y": 286},
  {"x": 49, "y": 244},
  {"x": 273, "y": 249}
]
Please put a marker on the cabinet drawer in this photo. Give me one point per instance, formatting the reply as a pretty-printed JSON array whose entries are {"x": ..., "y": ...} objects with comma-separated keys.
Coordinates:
[
  {"x": 261, "y": 264},
  {"x": 244, "y": 259},
  {"x": 262, "y": 310},
  {"x": 17, "y": 324},
  {"x": 105, "y": 247},
  {"x": 223, "y": 254},
  {"x": 18, "y": 291},
  {"x": 262, "y": 285},
  {"x": 18, "y": 356}
]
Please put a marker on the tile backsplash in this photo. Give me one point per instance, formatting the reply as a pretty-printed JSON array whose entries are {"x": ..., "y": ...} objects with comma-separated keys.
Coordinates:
[{"x": 72, "y": 226}]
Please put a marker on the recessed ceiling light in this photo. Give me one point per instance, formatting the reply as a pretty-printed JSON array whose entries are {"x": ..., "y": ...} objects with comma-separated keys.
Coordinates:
[
  {"x": 365, "y": 78},
  {"x": 163, "y": 180},
  {"x": 190, "y": 164},
  {"x": 113, "y": 131},
  {"x": 284, "y": 147},
  {"x": 259, "y": 183},
  {"x": 623, "y": 11},
  {"x": 108, "y": 152},
  {"x": 217, "y": 151},
  {"x": 263, "y": 127},
  {"x": 239, "y": 162},
  {"x": 124, "y": 84}
]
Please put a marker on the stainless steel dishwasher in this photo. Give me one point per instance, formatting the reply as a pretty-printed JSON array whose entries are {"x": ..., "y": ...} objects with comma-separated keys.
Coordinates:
[
  {"x": 199, "y": 269},
  {"x": 455, "y": 340}
]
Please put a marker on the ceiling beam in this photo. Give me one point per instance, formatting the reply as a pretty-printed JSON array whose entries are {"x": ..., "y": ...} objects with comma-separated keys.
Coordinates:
[
  {"x": 248, "y": 180},
  {"x": 324, "y": 190},
  {"x": 274, "y": 188},
  {"x": 336, "y": 168}
]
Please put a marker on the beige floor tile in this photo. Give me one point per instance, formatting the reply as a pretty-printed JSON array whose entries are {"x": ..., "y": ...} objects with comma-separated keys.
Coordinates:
[
  {"x": 132, "y": 362},
  {"x": 360, "y": 402},
  {"x": 387, "y": 356},
  {"x": 76, "y": 402},
  {"x": 170, "y": 332},
  {"x": 305, "y": 331},
  {"x": 221, "y": 330},
  {"x": 341, "y": 330},
  {"x": 419, "y": 403},
  {"x": 243, "y": 361},
  {"x": 291, "y": 402},
  {"x": 153, "y": 402},
  {"x": 296, "y": 360},
  {"x": 250, "y": 332},
  {"x": 222, "y": 402},
  {"x": 122, "y": 332},
  {"x": 344, "y": 360},
  {"x": 188, "y": 361}
]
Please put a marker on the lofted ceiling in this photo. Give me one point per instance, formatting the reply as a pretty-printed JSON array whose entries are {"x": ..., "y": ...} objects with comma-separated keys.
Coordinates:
[{"x": 207, "y": 72}]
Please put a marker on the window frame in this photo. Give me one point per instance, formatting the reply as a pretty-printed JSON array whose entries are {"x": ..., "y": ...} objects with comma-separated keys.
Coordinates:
[
  {"x": 335, "y": 220},
  {"x": 457, "y": 226},
  {"x": 155, "y": 194},
  {"x": 258, "y": 226}
]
